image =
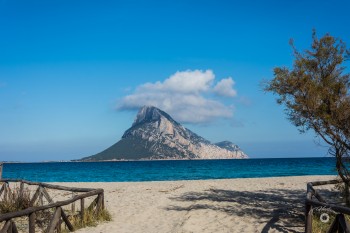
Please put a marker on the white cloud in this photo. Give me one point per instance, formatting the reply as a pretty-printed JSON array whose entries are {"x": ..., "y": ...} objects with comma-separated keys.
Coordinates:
[
  {"x": 184, "y": 82},
  {"x": 225, "y": 88},
  {"x": 187, "y": 96}
]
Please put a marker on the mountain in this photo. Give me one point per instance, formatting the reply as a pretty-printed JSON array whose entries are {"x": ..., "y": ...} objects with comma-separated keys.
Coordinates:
[
  {"x": 155, "y": 135},
  {"x": 228, "y": 146}
]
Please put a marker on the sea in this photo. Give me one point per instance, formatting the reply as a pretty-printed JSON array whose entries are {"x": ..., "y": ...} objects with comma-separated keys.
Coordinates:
[{"x": 132, "y": 171}]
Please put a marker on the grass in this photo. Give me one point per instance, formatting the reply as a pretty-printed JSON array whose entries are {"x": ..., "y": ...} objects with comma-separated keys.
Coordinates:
[
  {"x": 15, "y": 201},
  {"x": 91, "y": 219},
  {"x": 319, "y": 226}
]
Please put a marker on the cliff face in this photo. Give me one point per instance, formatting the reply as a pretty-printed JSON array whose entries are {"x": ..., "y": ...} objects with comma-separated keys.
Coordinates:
[{"x": 155, "y": 135}]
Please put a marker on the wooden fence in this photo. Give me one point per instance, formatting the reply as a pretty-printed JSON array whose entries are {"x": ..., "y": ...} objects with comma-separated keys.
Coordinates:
[
  {"x": 315, "y": 200},
  {"x": 59, "y": 215},
  {"x": 1, "y": 163}
]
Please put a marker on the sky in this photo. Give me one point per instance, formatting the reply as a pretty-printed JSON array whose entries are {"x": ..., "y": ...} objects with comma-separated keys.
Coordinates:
[{"x": 74, "y": 73}]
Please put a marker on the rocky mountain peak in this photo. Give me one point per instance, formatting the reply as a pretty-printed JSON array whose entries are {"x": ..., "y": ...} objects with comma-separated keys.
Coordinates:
[
  {"x": 150, "y": 114},
  {"x": 155, "y": 135}
]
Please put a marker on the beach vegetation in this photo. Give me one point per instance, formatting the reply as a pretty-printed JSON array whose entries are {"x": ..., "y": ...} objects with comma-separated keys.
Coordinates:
[
  {"x": 15, "y": 200},
  {"x": 322, "y": 222},
  {"x": 319, "y": 226},
  {"x": 91, "y": 219},
  {"x": 315, "y": 93}
]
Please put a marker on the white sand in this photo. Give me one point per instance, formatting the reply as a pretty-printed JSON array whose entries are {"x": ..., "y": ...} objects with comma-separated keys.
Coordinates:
[{"x": 232, "y": 205}]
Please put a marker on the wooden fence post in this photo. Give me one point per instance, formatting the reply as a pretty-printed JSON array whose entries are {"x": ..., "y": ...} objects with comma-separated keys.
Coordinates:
[
  {"x": 73, "y": 205},
  {"x": 21, "y": 190},
  {"x": 99, "y": 204},
  {"x": 1, "y": 164},
  {"x": 7, "y": 226},
  {"x": 35, "y": 196},
  {"x": 308, "y": 218},
  {"x": 6, "y": 189},
  {"x": 32, "y": 217},
  {"x": 54, "y": 220},
  {"x": 308, "y": 212},
  {"x": 66, "y": 220},
  {"x": 14, "y": 227},
  {"x": 82, "y": 210},
  {"x": 103, "y": 201}
]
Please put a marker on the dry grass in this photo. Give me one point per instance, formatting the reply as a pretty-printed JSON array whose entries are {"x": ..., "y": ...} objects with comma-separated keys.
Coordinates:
[
  {"x": 91, "y": 219},
  {"x": 319, "y": 226},
  {"x": 14, "y": 201}
]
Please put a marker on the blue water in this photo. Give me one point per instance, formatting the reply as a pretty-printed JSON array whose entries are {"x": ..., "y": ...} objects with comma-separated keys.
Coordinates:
[{"x": 168, "y": 170}]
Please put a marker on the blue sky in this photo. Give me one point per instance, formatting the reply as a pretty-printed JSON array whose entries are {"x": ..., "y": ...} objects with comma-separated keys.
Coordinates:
[{"x": 68, "y": 70}]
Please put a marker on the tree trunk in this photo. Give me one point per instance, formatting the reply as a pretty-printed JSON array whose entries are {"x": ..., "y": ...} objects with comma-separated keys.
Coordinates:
[{"x": 342, "y": 176}]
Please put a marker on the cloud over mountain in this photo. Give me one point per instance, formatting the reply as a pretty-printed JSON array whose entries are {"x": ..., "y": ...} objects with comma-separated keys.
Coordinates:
[
  {"x": 225, "y": 88},
  {"x": 190, "y": 96}
]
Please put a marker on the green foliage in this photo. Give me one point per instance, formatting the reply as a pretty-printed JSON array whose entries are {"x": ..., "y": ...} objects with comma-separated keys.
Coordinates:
[{"x": 315, "y": 93}]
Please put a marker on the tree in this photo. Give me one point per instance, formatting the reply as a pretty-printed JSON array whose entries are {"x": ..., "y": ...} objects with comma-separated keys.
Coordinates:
[{"x": 315, "y": 93}]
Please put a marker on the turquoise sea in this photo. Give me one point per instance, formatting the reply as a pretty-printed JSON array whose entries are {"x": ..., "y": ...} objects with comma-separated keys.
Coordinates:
[{"x": 168, "y": 170}]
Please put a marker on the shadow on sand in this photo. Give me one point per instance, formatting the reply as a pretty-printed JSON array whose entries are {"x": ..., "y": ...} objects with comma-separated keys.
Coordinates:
[{"x": 281, "y": 209}]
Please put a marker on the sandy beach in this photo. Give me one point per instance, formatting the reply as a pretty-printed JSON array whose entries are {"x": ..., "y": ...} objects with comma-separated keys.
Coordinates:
[{"x": 230, "y": 205}]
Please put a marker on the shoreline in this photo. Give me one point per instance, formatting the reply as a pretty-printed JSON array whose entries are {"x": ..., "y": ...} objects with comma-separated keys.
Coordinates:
[
  {"x": 148, "y": 160},
  {"x": 289, "y": 178},
  {"x": 274, "y": 204}
]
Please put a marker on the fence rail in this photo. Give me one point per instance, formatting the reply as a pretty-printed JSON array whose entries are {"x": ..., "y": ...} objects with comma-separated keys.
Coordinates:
[
  {"x": 314, "y": 200},
  {"x": 40, "y": 193}
]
